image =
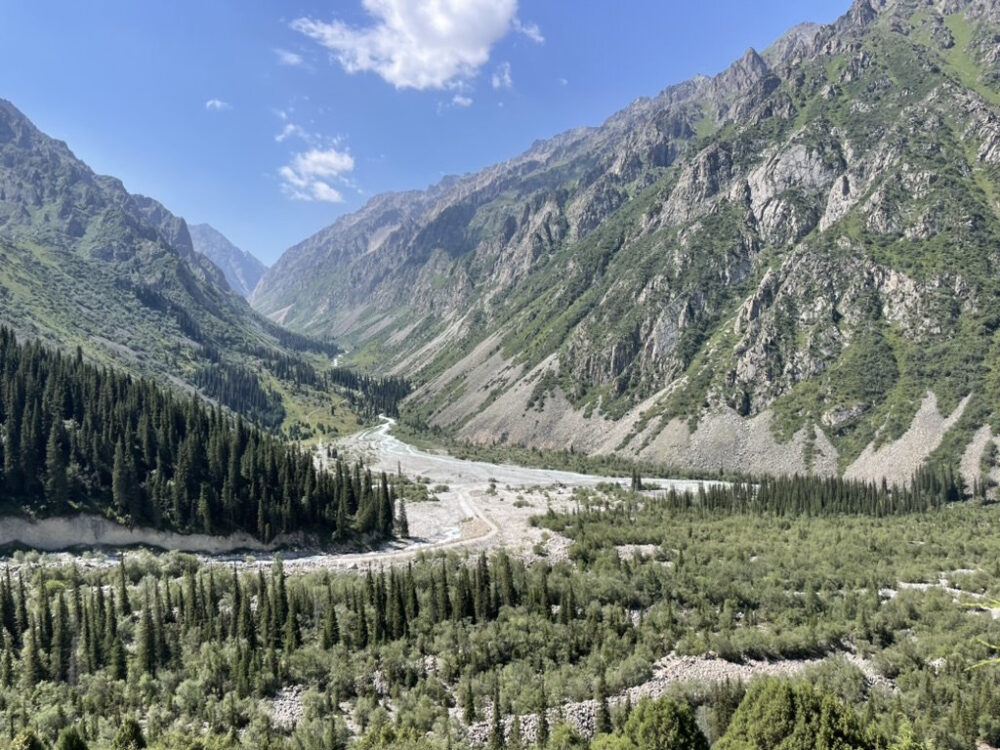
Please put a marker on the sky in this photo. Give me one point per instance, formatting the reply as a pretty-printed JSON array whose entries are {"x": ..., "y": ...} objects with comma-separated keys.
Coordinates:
[{"x": 269, "y": 120}]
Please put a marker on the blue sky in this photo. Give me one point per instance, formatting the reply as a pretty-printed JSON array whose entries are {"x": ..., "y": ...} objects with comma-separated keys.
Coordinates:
[{"x": 268, "y": 120}]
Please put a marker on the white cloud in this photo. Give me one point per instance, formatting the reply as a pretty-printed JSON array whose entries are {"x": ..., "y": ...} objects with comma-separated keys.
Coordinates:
[
  {"x": 323, "y": 192},
  {"x": 292, "y": 130},
  {"x": 530, "y": 30},
  {"x": 310, "y": 173},
  {"x": 288, "y": 58},
  {"x": 420, "y": 44},
  {"x": 502, "y": 78},
  {"x": 563, "y": 82},
  {"x": 461, "y": 101},
  {"x": 217, "y": 105}
]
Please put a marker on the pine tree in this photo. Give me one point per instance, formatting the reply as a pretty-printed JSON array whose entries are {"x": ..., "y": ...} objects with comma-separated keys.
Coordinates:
[
  {"x": 204, "y": 510},
  {"x": 292, "y": 635},
  {"x": 56, "y": 462},
  {"x": 331, "y": 628},
  {"x": 145, "y": 642},
  {"x": 123, "y": 481},
  {"x": 496, "y": 740},
  {"x": 542, "y": 737},
  {"x": 31, "y": 661},
  {"x": 62, "y": 642},
  {"x": 602, "y": 717},
  {"x": 7, "y": 662},
  {"x": 124, "y": 606},
  {"x": 116, "y": 659},
  {"x": 402, "y": 522}
]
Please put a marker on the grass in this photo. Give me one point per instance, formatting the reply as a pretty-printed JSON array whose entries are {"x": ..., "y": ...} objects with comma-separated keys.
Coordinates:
[{"x": 960, "y": 61}]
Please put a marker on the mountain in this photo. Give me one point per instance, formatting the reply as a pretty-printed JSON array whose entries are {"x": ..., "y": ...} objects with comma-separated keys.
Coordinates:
[
  {"x": 85, "y": 263},
  {"x": 789, "y": 267},
  {"x": 241, "y": 269}
]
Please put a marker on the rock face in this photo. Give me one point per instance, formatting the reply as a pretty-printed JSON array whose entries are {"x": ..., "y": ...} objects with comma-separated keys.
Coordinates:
[
  {"x": 811, "y": 235},
  {"x": 241, "y": 269}
]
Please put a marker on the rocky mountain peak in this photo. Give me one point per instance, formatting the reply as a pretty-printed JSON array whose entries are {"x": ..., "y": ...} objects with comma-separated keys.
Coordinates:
[{"x": 743, "y": 74}]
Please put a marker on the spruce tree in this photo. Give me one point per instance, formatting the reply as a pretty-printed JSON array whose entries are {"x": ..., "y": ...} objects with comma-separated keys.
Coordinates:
[
  {"x": 496, "y": 740},
  {"x": 145, "y": 642},
  {"x": 62, "y": 642},
  {"x": 31, "y": 668},
  {"x": 56, "y": 464},
  {"x": 402, "y": 522}
]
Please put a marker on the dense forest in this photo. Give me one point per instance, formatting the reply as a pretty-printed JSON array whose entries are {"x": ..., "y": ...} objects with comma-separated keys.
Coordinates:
[
  {"x": 79, "y": 437},
  {"x": 371, "y": 396},
  {"x": 194, "y": 657},
  {"x": 239, "y": 389}
]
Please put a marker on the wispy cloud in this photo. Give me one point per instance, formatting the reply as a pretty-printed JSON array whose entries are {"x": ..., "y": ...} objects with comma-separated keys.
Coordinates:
[
  {"x": 502, "y": 78},
  {"x": 419, "y": 44},
  {"x": 309, "y": 175},
  {"x": 461, "y": 101},
  {"x": 291, "y": 130},
  {"x": 291, "y": 59},
  {"x": 530, "y": 30},
  {"x": 217, "y": 105}
]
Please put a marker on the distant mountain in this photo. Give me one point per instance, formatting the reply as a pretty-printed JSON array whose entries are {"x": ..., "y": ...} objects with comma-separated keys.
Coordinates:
[
  {"x": 241, "y": 269},
  {"x": 792, "y": 266},
  {"x": 85, "y": 263}
]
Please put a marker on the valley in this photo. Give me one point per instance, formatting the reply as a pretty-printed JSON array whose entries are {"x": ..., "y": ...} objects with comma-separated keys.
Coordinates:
[{"x": 680, "y": 430}]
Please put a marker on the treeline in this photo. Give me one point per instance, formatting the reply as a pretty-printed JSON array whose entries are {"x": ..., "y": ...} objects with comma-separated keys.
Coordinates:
[
  {"x": 368, "y": 395},
  {"x": 239, "y": 389},
  {"x": 77, "y": 436},
  {"x": 931, "y": 487},
  {"x": 287, "y": 367},
  {"x": 299, "y": 342}
]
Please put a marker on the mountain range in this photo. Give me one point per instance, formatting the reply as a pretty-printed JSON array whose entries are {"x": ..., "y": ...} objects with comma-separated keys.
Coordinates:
[
  {"x": 84, "y": 263},
  {"x": 790, "y": 266},
  {"x": 241, "y": 269}
]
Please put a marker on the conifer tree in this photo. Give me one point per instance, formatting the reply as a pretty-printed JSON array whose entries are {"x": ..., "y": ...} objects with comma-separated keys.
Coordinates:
[
  {"x": 124, "y": 606},
  {"x": 145, "y": 641},
  {"x": 56, "y": 464},
  {"x": 31, "y": 660},
  {"x": 496, "y": 739},
  {"x": 402, "y": 522},
  {"x": 62, "y": 642},
  {"x": 331, "y": 628},
  {"x": 468, "y": 702}
]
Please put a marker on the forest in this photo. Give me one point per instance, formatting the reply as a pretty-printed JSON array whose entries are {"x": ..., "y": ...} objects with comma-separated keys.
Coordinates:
[
  {"x": 167, "y": 652},
  {"x": 82, "y": 438}
]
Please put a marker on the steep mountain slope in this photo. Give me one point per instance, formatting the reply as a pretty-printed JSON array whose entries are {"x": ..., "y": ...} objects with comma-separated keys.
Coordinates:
[
  {"x": 241, "y": 269},
  {"x": 84, "y": 263},
  {"x": 788, "y": 267}
]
